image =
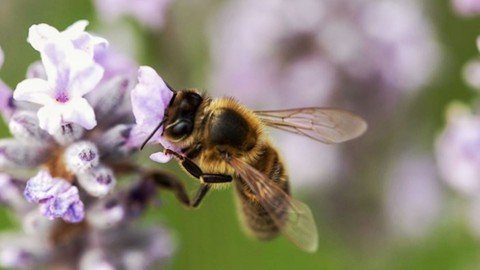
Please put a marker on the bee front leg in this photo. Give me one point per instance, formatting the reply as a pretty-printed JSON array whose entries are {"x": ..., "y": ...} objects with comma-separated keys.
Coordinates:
[
  {"x": 196, "y": 172},
  {"x": 186, "y": 163}
]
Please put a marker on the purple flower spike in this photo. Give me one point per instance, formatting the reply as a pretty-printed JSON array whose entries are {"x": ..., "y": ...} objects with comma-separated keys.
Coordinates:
[
  {"x": 150, "y": 98},
  {"x": 70, "y": 75},
  {"x": 57, "y": 198}
]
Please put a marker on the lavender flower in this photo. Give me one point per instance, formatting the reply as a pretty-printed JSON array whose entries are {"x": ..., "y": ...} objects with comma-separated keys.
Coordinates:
[
  {"x": 73, "y": 131},
  {"x": 150, "y": 98},
  {"x": 70, "y": 75},
  {"x": 466, "y": 7},
  {"x": 150, "y": 13},
  {"x": 456, "y": 150}
]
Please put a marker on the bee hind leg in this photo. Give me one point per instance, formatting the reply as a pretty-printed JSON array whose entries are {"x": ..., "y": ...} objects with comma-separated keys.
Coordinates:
[{"x": 170, "y": 182}]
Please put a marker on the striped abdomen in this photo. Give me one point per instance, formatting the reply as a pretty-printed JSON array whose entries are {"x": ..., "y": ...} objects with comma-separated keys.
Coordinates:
[{"x": 254, "y": 217}]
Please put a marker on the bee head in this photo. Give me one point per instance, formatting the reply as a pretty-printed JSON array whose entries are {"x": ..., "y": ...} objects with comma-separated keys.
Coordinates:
[{"x": 180, "y": 114}]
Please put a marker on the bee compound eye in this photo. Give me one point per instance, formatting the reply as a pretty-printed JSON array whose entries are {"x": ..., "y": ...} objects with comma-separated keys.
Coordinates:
[
  {"x": 185, "y": 105},
  {"x": 182, "y": 128},
  {"x": 196, "y": 99}
]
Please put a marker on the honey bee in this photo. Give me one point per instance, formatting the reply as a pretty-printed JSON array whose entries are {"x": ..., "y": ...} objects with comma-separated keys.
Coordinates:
[{"x": 223, "y": 142}]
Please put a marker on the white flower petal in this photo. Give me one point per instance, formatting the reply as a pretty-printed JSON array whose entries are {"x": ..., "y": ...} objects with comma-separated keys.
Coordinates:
[
  {"x": 50, "y": 118},
  {"x": 79, "y": 112},
  {"x": 160, "y": 157},
  {"x": 55, "y": 58},
  {"x": 85, "y": 80},
  {"x": 76, "y": 29},
  {"x": 149, "y": 98},
  {"x": 38, "y": 34},
  {"x": 34, "y": 90}
]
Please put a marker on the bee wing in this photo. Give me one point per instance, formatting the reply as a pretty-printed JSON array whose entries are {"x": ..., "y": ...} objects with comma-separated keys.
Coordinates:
[
  {"x": 320, "y": 124},
  {"x": 292, "y": 217}
]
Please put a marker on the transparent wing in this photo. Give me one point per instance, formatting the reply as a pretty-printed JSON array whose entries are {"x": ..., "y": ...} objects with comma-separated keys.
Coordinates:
[
  {"x": 320, "y": 124},
  {"x": 292, "y": 217}
]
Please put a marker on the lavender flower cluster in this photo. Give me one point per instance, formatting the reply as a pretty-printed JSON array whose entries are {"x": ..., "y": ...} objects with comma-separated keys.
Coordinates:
[{"x": 73, "y": 138}]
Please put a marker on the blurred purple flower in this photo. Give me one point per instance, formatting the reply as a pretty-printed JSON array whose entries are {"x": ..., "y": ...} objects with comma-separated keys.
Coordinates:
[
  {"x": 277, "y": 48},
  {"x": 352, "y": 53},
  {"x": 150, "y": 13},
  {"x": 150, "y": 99},
  {"x": 457, "y": 150},
  {"x": 77, "y": 170},
  {"x": 466, "y": 7},
  {"x": 413, "y": 197}
]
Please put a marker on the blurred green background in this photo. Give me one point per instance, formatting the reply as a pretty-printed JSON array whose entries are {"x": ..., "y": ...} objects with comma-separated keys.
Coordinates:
[{"x": 210, "y": 237}]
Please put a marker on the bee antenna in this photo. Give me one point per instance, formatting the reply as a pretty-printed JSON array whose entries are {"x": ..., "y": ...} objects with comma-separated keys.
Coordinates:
[{"x": 151, "y": 134}]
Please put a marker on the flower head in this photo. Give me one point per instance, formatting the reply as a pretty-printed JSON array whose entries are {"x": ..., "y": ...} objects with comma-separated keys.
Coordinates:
[{"x": 70, "y": 75}]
